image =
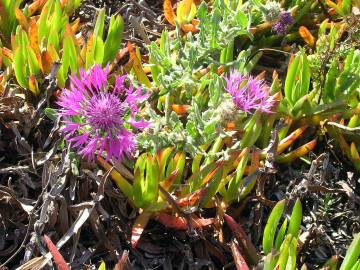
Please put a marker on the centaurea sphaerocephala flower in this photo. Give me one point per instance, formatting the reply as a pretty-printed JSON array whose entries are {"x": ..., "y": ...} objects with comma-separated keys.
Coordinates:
[
  {"x": 283, "y": 23},
  {"x": 97, "y": 117},
  {"x": 248, "y": 93},
  {"x": 271, "y": 11}
]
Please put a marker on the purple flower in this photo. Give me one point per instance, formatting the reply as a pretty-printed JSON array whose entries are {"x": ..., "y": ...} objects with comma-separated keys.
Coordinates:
[
  {"x": 281, "y": 26},
  {"x": 96, "y": 115},
  {"x": 248, "y": 93}
]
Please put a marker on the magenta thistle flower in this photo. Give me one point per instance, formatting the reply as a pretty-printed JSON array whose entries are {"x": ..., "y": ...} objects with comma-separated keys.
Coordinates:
[
  {"x": 281, "y": 26},
  {"x": 248, "y": 93},
  {"x": 97, "y": 116}
]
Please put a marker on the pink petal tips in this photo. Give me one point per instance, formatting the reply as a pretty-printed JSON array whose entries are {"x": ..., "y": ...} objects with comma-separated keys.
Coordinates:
[
  {"x": 248, "y": 93},
  {"x": 98, "y": 117}
]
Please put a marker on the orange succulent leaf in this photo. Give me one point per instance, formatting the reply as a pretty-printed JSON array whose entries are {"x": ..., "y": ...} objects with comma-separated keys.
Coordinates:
[
  {"x": 169, "y": 180},
  {"x": 178, "y": 223},
  {"x": 201, "y": 222},
  {"x": 39, "y": 60},
  {"x": 33, "y": 34},
  {"x": 278, "y": 96},
  {"x": 147, "y": 70},
  {"x": 169, "y": 12},
  {"x": 83, "y": 52},
  {"x": 1, "y": 83},
  {"x": 23, "y": 21},
  {"x": 34, "y": 6},
  {"x": 47, "y": 62},
  {"x": 138, "y": 227},
  {"x": 57, "y": 257},
  {"x": 298, "y": 152},
  {"x": 240, "y": 156},
  {"x": 63, "y": 3},
  {"x": 286, "y": 142},
  {"x": 181, "y": 223},
  {"x": 180, "y": 109},
  {"x": 13, "y": 42},
  {"x": 69, "y": 32},
  {"x": 307, "y": 36},
  {"x": 75, "y": 25},
  {"x": 255, "y": 162},
  {"x": 52, "y": 52},
  {"x": 332, "y": 12},
  {"x": 33, "y": 85},
  {"x": 6, "y": 52},
  {"x": 138, "y": 69},
  {"x": 195, "y": 22},
  {"x": 162, "y": 155},
  {"x": 189, "y": 27},
  {"x": 220, "y": 70},
  {"x": 191, "y": 198},
  {"x": 230, "y": 126},
  {"x": 261, "y": 75},
  {"x": 210, "y": 175}
]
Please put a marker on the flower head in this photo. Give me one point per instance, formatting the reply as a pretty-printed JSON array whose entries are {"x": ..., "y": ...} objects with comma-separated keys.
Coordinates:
[
  {"x": 281, "y": 26},
  {"x": 226, "y": 111},
  {"x": 96, "y": 115},
  {"x": 271, "y": 11},
  {"x": 248, "y": 93}
]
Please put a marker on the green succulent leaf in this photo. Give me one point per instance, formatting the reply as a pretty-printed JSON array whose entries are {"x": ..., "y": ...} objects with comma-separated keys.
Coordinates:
[
  {"x": 102, "y": 266},
  {"x": 19, "y": 67},
  {"x": 235, "y": 183},
  {"x": 295, "y": 219},
  {"x": 114, "y": 37},
  {"x": 271, "y": 226},
  {"x": 352, "y": 254},
  {"x": 284, "y": 252},
  {"x": 281, "y": 235}
]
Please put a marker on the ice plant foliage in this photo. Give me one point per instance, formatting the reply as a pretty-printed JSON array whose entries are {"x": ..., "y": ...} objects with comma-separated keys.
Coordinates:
[
  {"x": 281, "y": 26},
  {"x": 248, "y": 93},
  {"x": 98, "y": 117}
]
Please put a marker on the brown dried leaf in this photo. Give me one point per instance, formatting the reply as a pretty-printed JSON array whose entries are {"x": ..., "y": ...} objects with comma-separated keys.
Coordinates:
[
  {"x": 244, "y": 241},
  {"x": 238, "y": 258},
  {"x": 123, "y": 263}
]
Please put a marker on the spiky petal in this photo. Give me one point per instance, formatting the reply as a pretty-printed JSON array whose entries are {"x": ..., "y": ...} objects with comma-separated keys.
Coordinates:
[
  {"x": 95, "y": 114},
  {"x": 248, "y": 93}
]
